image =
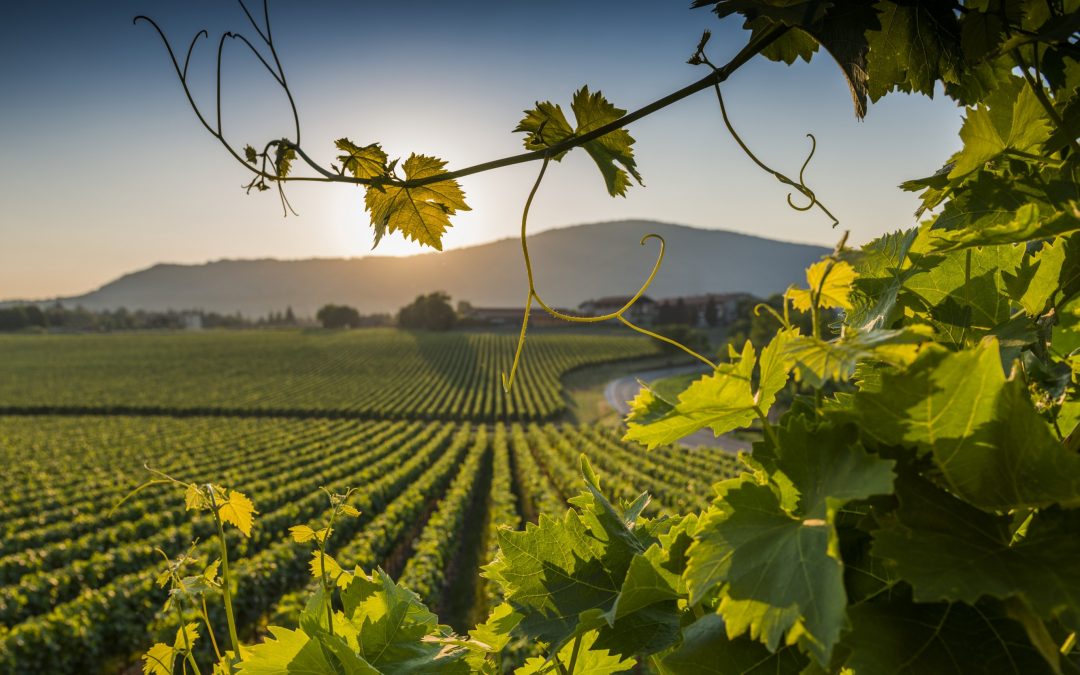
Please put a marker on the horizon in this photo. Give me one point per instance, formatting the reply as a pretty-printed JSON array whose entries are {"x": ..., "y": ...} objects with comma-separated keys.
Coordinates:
[
  {"x": 162, "y": 189},
  {"x": 212, "y": 261}
]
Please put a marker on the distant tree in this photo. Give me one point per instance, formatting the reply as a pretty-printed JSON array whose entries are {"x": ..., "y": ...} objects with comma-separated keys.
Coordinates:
[
  {"x": 290, "y": 318},
  {"x": 464, "y": 308},
  {"x": 428, "y": 312},
  {"x": 338, "y": 316},
  {"x": 712, "y": 314}
]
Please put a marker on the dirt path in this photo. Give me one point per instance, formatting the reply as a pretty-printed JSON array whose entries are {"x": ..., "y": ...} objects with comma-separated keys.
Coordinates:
[{"x": 620, "y": 391}]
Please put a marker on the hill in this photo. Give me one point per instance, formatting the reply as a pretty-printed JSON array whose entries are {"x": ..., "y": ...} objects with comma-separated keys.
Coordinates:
[{"x": 571, "y": 264}]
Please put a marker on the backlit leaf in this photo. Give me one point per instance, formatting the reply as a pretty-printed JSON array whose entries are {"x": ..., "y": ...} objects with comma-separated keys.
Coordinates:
[{"x": 421, "y": 214}]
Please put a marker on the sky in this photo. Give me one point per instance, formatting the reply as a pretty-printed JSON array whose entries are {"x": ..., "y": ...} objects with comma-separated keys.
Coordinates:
[{"x": 106, "y": 169}]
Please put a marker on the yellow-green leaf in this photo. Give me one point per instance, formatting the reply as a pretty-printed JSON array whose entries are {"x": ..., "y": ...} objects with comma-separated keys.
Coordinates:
[
  {"x": 546, "y": 125},
  {"x": 368, "y": 161},
  {"x": 235, "y": 508},
  {"x": 830, "y": 282},
  {"x": 421, "y": 214},
  {"x": 301, "y": 533},
  {"x": 158, "y": 660},
  {"x": 186, "y": 636}
]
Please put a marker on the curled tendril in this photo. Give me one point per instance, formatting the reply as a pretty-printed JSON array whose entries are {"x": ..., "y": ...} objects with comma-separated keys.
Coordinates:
[
  {"x": 699, "y": 58},
  {"x": 802, "y": 182},
  {"x": 508, "y": 381},
  {"x": 761, "y": 306}
]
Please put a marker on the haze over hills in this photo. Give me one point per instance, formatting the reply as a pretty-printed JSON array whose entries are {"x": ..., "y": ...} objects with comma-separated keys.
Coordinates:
[{"x": 571, "y": 265}]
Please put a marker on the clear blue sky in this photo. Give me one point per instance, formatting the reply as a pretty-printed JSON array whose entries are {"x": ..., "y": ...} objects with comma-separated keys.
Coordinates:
[{"x": 106, "y": 169}]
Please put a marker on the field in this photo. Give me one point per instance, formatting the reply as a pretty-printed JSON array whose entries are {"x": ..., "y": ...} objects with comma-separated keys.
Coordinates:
[
  {"x": 370, "y": 374},
  {"x": 437, "y": 474}
]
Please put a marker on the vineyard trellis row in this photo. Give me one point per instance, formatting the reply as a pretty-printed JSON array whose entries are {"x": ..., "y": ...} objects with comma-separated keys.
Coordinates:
[{"x": 421, "y": 479}]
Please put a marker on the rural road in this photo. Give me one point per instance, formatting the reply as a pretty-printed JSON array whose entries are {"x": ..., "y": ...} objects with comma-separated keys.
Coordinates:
[{"x": 619, "y": 392}]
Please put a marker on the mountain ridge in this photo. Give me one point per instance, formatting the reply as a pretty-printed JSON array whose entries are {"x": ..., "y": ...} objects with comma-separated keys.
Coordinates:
[{"x": 571, "y": 264}]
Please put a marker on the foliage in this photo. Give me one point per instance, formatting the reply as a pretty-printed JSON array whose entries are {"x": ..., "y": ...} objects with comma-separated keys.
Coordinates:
[
  {"x": 338, "y": 316},
  {"x": 428, "y": 312},
  {"x": 923, "y": 518}
]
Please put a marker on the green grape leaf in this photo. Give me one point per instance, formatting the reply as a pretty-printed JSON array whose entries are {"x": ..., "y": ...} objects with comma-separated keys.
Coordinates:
[
  {"x": 1049, "y": 271},
  {"x": 344, "y": 655},
  {"x": 707, "y": 650},
  {"x": 546, "y": 125},
  {"x": 1029, "y": 222},
  {"x": 551, "y": 573},
  {"x": 963, "y": 294},
  {"x": 590, "y": 659},
  {"x": 250, "y": 156},
  {"x": 990, "y": 444},
  {"x": 288, "y": 652},
  {"x": 818, "y": 361},
  {"x": 830, "y": 282},
  {"x": 949, "y": 550},
  {"x": 894, "y": 635},
  {"x": 647, "y": 582},
  {"x": 882, "y": 267},
  {"x": 839, "y": 27},
  {"x": 917, "y": 45},
  {"x": 1012, "y": 118},
  {"x": 497, "y": 630},
  {"x": 722, "y": 401},
  {"x": 421, "y": 214},
  {"x": 395, "y": 629},
  {"x": 772, "y": 549},
  {"x": 368, "y": 161}
]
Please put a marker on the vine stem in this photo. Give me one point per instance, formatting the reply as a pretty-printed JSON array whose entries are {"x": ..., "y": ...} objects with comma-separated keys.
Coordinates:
[
  {"x": 508, "y": 381},
  {"x": 1040, "y": 94},
  {"x": 210, "y": 629},
  {"x": 226, "y": 585},
  {"x": 574, "y": 655},
  {"x": 187, "y": 643},
  {"x": 766, "y": 427},
  {"x": 327, "y": 176}
]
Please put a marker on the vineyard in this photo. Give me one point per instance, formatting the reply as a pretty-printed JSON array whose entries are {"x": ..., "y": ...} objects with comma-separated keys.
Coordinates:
[
  {"x": 404, "y": 416},
  {"x": 372, "y": 373}
]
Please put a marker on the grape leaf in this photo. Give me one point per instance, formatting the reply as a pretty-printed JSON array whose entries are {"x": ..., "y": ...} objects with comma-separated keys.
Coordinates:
[
  {"x": 949, "y": 550},
  {"x": 546, "y": 125},
  {"x": 706, "y": 649},
  {"x": 368, "y": 161},
  {"x": 288, "y": 652},
  {"x": 963, "y": 293},
  {"x": 893, "y": 635},
  {"x": 723, "y": 400},
  {"x": 551, "y": 573},
  {"x": 1011, "y": 118},
  {"x": 818, "y": 361},
  {"x": 830, "y": 281},
  {"x": 284, "y": 156},
  {"x": 301, "y": 533},
  {"x": 235, "y": 508},
  {"x": 1029, "y": 222},
  {"x": 772, "y": 547},
  {"x": 159, "y": 660},
  {"x": 590, "y": 659},
  {"x": 394, "y": 628},
  {"x": 918, "y": 44},
  {"x": 881, "y": 267},
  {"x": 990, "y": 444},
  {"x": 421, "y": 214}
]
